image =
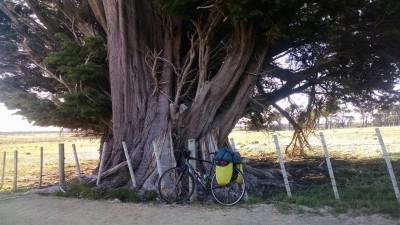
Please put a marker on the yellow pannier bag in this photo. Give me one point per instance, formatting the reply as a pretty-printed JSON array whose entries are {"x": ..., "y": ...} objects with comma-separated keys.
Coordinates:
[
  {"x": 239, "y": 178},
  {"x": 223, "y": 174}
]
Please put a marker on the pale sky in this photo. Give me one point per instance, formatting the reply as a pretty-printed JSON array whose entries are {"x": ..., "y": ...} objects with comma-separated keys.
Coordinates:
[{"x": 10, "y": 122}]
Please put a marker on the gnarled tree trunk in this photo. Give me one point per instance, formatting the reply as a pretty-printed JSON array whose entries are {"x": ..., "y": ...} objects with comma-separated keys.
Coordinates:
[{"x": 161, "y": 87}]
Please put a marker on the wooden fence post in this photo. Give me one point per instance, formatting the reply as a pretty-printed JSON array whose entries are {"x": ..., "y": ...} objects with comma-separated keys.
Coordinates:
[
  {"x": 41, "y": 167},
  {"x": 61, "y": 164},
  {"x": 15, "y": 170},
  {"x": 389, "y": 165},
  {"x": 78, "y": 167},
  {"x": 328, "y": 163},
  {"x": 2, "y": 171},
  {"x": 128, "y": 159},
  {"x": 103, "y": 153},
  {"x": 157, "y": 155},
  {"x": 212, "y": 144},
  {"x": 233, "y": 145},
  {"x": 232, "y": 142},
  {"x": 192, "y": 149},
  {"x": 282, "y": 165}
]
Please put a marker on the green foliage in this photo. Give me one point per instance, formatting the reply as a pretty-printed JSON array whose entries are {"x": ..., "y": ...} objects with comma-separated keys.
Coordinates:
[
  {"x": 7, "y": 47},
  {"x": 392, "y": 7},
  {"x": 42, "y": 99},
  {"x": 79, "y": 63},
  {"x": 181, "y": 8},
  {"x": 88, "y": 104},
  {"x": 264, "y": 11},
  {"x": 330, "y": 107},
  {"x": 83, "y": 67}
]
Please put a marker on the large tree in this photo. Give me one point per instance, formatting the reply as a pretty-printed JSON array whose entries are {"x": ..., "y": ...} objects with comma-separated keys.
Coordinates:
[{"x": 187, "y": 69}]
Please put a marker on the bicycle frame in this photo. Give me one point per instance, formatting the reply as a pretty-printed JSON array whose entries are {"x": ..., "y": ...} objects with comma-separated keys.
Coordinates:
[
  {"x": 206, "y": 185},
  {"x": 180, "y": 182}
]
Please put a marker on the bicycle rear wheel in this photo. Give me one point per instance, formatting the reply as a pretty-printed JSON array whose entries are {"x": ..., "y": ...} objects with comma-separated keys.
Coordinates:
[
  {"x": 230, "y": 194},
  {"x": 176, "y": 185}
]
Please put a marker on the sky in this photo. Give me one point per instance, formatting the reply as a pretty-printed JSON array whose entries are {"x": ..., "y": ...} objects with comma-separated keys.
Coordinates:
[{"x": 10, "y": 122}]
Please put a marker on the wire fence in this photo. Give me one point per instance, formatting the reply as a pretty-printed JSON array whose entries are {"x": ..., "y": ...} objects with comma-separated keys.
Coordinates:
[
  {"x": 351, "y": 143},
  {"x": 26, "y": 167},
  {"x": 358, "y": 156},
  {"x": 345, "y": 144}
]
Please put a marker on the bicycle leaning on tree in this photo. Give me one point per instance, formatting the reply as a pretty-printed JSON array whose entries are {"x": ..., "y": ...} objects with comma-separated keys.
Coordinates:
[{"x": 177, "y": 184}]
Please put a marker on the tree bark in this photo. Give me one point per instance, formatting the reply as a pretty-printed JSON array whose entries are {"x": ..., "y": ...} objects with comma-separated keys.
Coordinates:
[{"x": 151, "y": 80}]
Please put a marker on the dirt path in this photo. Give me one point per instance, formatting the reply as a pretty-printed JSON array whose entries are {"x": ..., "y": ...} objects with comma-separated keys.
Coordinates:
[{"x": 34, "y": 210}]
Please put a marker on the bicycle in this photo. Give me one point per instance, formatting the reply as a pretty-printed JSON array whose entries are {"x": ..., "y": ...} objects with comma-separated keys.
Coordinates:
[{"x": 177, "y": 184}]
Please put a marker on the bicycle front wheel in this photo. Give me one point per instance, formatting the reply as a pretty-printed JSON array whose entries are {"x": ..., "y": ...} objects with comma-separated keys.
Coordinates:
[
  {"x": 176, "y": 185},
  {"x": 231, "y": 193}
]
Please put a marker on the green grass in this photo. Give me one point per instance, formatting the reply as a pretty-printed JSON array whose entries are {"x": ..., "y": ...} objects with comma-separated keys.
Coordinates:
[
  {"x": 359, "y": 168},
  {"x": 81, "y": 189},
  {"x": 123, "y": 194},
  {"x": 78, "y": 189},
  {"x": 28, "y": 146},
  {"x": 363, "y": 187},
  {"x": 254, "y": 199},
  {"x": 343, "y": 143},
  {"x": 351, "y": 197}
]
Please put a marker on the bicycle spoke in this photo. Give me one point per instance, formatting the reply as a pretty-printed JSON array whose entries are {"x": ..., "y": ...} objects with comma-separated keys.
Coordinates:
[
  {"x": 230, "y": 194},
  {"x": 174, "y": 185}
]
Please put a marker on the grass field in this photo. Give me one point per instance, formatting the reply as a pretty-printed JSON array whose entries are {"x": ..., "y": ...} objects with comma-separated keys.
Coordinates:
[
  {"x": 359, "y": 168},
  {"x": 28, "y": 146},
  {"x": 343, "y": 143}
]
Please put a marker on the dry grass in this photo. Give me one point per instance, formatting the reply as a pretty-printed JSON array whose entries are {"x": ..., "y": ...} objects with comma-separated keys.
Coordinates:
[
  {"x": 28, "y": 146},
  {"x": 360, "y": 170},
  {"x": 346, "y": 144},
  {"x": 352, "y": 144},
  {"x": 356, "y": 154}
]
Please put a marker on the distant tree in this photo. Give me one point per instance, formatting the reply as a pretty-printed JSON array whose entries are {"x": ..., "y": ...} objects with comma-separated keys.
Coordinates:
[
  {"x": 329, "y": 108},
  {"x": 386, "y": 116},
  {"x": 269, "y": 119},
  {"x": 343, "y": 117},
  {"x": 366, "y": 110},
  {"x": 395, "y": 114}
]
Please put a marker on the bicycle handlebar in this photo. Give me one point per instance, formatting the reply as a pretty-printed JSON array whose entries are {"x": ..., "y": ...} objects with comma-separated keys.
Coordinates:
[{"x": 186, "y": 155}]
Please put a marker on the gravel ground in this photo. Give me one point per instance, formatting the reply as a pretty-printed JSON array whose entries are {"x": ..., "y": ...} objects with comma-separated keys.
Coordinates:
[{"x": 35, "y": 209}]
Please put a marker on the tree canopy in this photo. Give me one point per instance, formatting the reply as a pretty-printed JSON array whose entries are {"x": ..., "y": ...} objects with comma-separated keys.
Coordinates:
[
  {"x": 346, "y": 50},
  {"x": 50, "y": 73}
]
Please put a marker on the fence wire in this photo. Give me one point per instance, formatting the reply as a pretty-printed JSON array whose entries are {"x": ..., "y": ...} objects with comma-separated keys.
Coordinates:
[{"x": 346, "y": 144}]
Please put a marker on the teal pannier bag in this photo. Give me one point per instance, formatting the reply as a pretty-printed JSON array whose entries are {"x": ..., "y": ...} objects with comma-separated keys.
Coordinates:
[{"x": 227, "y": 155}]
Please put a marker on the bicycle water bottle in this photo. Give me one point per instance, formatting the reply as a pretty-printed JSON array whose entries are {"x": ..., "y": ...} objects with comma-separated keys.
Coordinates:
[{"x": 205, "y": 176}]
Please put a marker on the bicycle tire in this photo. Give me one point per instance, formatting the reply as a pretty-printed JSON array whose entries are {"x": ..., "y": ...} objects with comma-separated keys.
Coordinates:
[
  {"x": 229, "y": 194},
  {"x": 176, "y": 185}
]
